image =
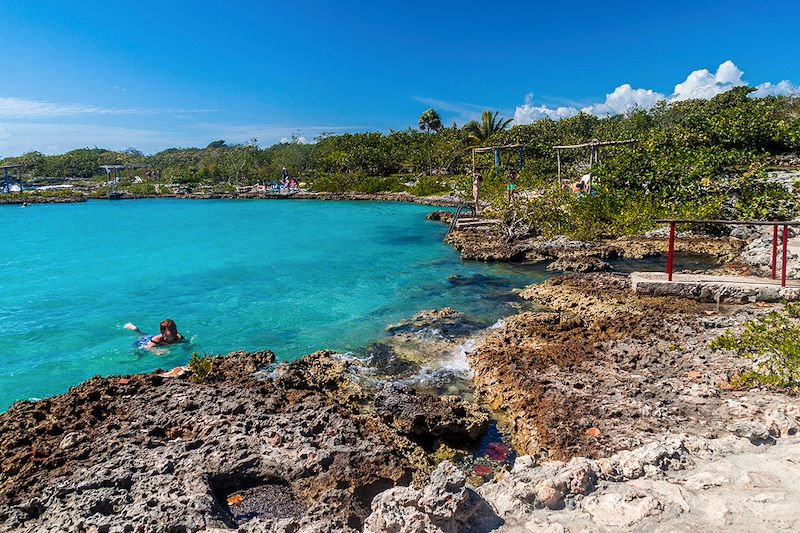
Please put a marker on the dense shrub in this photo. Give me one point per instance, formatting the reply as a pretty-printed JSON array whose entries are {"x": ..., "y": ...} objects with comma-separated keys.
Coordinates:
[{"x": 772, "y": 342}]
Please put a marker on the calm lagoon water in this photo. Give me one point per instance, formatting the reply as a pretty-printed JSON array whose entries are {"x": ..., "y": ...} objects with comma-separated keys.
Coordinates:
[{"x": 290, "y": 276}]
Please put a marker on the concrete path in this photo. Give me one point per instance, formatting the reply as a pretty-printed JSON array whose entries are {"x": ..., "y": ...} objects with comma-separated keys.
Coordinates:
[{"x": 721, "y": 289}]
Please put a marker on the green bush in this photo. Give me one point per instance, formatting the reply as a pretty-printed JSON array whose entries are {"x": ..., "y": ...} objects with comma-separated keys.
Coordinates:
[
  {"x": 142, "y": 188},
  {"x": 773, "y": 343},
  {"x": 429, "y": 186},
  {"x": 355, "y": 182},
  {"x": 202, "y": 367}
]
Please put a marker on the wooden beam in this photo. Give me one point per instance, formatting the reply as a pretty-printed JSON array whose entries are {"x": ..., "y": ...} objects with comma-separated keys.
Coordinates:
[
  {"x": 595, "y": 144},
  {"x": 484, "y": 149},
  {"x": 745, "y": 222}
]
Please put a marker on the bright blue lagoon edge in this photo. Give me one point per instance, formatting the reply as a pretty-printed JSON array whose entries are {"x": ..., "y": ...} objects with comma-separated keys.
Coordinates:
[{"x": 290, "y": 276}]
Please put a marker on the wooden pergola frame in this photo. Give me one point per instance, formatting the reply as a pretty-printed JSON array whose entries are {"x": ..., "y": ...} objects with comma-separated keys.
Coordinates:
[
  {"x": 594, "y": 150},
  {"x": 485, "y": 149}
]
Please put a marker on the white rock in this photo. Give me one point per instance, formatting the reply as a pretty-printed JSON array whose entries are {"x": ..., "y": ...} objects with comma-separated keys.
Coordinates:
[
  {"x": 550, "y": 494},
  {"x": 621, "y": 510},
  {"x": 767, "y": 497},
  {"x": 72, "y": 439},
  {"x": 704, "y": 480}
]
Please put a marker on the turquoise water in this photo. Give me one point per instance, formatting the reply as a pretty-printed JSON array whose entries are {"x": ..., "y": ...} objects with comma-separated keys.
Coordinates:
[{"x": 290, "y": 276}]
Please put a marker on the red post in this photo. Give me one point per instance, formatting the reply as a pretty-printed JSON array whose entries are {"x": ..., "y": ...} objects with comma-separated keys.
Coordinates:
[
  {"x": 671, "y": 252},
  {"x": 783, "y": 257},
  {"x": 774, "y": 249}
]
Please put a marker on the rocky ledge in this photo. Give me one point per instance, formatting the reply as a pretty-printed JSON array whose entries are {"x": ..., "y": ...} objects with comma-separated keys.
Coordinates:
[
  {"x": 674, "y": 483},
  {"x": 36, "y": 199},
  {"x": 579, "y": 256},
  {"x": 626, "y": 422},
  {"x": 606, "y": 368},
  {"x": 294, "y": 446}
]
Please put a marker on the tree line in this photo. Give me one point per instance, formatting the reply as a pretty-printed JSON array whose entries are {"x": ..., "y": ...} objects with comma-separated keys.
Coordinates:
[{"x": 705, "y": 153}]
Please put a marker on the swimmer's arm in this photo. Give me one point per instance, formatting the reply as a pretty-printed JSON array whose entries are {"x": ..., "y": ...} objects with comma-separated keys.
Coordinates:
[{"x": 133, "y": 328}]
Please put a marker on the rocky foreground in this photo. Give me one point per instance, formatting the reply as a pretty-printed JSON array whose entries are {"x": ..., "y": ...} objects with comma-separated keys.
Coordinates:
[
  {"x": 626, "y": 422},
  {"x": 294, "y": 446},
  {"x": 622, "y": 417}
]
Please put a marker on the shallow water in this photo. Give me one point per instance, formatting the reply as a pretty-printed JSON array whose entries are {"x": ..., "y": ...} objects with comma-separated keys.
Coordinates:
[{"x": 290, "y": 276}]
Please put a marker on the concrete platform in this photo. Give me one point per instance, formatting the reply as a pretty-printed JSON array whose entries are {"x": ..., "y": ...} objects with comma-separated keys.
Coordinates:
[{"x": 720, "y": 289}]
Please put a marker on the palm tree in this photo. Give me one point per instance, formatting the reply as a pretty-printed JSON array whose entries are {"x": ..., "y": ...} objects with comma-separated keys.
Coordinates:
[
  {"x": 489, "y": 125},
  {"x": 430, "y": 122}
]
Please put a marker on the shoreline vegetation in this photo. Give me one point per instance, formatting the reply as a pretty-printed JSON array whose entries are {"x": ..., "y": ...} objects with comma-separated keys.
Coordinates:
[
  {"x": 615, "y": 410},
  {"x": 730, "y": 157}
]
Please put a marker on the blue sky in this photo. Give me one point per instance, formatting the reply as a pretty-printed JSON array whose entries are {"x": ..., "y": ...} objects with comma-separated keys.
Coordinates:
[{"x": 152, "y": 75}]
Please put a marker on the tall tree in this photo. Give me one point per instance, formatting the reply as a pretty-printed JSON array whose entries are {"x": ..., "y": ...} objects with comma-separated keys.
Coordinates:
[
  {"x": 430, "y": 122},
  {"x": 479, "y": 133}
]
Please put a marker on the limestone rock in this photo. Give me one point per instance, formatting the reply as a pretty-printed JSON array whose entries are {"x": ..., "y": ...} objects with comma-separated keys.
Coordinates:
[
  {"x": 705, "y": 480},
  {"x": 619, "y": 510},
  {"x": 755, "y": 432},
  {"x": 578, "y": 264},
  {"x": 445, "y": 505}
]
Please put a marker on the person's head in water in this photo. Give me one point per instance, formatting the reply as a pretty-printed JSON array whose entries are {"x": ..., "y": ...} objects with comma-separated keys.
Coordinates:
[{"x": 169, "y": 331}]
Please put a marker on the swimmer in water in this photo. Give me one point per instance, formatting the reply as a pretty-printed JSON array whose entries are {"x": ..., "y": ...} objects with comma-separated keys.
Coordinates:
[{"x": 169, "y": 335}]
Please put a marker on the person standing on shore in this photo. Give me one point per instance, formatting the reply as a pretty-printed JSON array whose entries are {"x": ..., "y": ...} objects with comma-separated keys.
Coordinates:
[
  {"x": 512, "y": 184},
  {"x": 285, "y": 179},
  {"x": 476, "y": 191}
]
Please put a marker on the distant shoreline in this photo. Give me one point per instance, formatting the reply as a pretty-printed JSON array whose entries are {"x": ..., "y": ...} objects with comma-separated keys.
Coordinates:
[{"x": 437, "y": 201}]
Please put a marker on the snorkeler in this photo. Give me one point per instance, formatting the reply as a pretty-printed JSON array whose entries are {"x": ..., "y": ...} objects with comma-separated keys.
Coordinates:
[{"x": 169, "y": 335}]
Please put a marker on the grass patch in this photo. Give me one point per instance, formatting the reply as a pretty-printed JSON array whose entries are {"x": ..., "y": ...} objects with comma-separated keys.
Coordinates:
[{"x": 202, "y": 367}]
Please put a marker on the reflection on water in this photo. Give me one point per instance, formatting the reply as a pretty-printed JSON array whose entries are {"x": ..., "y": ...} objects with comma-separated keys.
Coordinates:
[{"x": 659, "y": 263}]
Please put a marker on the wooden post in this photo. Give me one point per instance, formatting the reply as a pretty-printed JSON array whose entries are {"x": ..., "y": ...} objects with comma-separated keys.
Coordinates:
[
  {"x": 783, "y": 258},
  {"x": 558, "y": 154},
  {"x": 774, "y": 250},
  {"x": 473, "y": 163},
  {"x": 671, "y": 251}
]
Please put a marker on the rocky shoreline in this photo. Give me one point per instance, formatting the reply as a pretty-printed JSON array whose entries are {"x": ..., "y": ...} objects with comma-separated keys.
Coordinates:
[
  {"x": 620, "y": 418},
  {"x": 156, "y": 453},
  {"x": 619, "y": 411}
]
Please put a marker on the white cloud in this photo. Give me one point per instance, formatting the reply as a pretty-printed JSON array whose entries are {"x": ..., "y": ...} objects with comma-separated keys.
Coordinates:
[
  {"x": 782, "y": 88},
  {"x": 624, "y": 99},
  {"x": 54, "y": 138},
  {"x": 702, "y": 84},
  {"x": 298, "y": 139},
  {"x": 24, "y": 108},
  {"x": 527, "y": 112}
]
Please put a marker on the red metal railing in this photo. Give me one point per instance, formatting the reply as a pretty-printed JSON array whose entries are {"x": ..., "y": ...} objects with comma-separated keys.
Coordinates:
[{"x": 774, "y": 224}]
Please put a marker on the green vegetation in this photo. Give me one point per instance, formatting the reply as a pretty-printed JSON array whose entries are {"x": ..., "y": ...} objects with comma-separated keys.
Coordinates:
[
  {"x": 481, "y": 132},
  {"x": 202, "y": 367},
  {"x": 694, "y": 159},
  {"x": 773, "y": 343}
]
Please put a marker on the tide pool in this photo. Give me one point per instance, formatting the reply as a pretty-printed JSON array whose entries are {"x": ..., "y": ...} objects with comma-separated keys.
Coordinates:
[{"x": 290, "y": 276}]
